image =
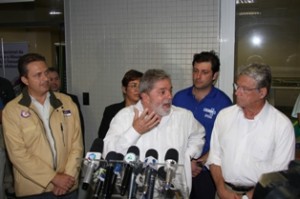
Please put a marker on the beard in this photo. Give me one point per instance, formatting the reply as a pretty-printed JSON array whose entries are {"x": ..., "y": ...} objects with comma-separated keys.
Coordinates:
[{"x": 163, "y": 109}]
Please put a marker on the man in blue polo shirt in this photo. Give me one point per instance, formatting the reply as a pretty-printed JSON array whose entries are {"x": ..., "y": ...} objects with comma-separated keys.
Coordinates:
[{"x": 205, "y": 101}]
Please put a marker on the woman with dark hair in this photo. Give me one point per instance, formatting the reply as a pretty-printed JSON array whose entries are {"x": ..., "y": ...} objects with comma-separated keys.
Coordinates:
[{"x": 130, "y": 89}]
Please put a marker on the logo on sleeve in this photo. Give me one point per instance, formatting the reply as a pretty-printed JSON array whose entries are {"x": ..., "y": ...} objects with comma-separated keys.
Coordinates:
[
  {"x": 25, "y": 114},
  {"x": 67, "y": 113},
  {"x": 209, "y": 112}
]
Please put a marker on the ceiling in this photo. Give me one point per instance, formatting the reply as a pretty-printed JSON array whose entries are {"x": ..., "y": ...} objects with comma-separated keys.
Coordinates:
[
  {"x": 35, "y": 13},
  {"x": 31, "y": 14}
]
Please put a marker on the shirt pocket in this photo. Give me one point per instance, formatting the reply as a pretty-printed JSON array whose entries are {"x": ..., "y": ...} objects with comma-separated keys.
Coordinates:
[{"x": 261, "y": 149}]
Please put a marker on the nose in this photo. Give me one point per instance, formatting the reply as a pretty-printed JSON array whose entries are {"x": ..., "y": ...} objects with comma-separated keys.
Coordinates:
[
  {"x": 238, "y": 91},
  {"x": 169, "y": 95},
  {"x": 198, "y": 74},
  {"x": 45, "y": 77}
]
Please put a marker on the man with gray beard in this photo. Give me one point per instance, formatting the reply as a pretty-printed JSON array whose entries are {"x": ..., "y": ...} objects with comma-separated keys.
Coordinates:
[{"x": 153, "y": 123}]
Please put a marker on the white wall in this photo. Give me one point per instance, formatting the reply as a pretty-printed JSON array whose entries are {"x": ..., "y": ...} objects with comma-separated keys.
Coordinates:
[{"x": 107, "y": 38}]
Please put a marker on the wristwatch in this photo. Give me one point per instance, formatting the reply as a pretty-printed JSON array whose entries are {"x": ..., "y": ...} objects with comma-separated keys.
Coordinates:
[{"x": 245, "y": 196}]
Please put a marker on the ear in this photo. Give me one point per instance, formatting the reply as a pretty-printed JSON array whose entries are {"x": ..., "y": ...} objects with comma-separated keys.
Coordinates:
[
  {"x": 145, "y": 97},
  {"x": 262, "y": 92},
  {"x": 215, "y": 76},
  {"x": 124, "y": 90},
  {"x": 24, "y": 80}
]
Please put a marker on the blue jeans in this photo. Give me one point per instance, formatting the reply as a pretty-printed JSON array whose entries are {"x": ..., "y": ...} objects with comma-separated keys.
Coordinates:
[{"x": 50, "y": 195}]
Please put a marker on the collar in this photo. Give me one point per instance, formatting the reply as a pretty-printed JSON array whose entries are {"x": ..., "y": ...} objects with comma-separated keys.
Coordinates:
[
  {"x": 211, "y": 93},
  {"x": 33, "y": 100},
  {"x": 26, "y": 99},
  {"x": 262, "y": 114}
]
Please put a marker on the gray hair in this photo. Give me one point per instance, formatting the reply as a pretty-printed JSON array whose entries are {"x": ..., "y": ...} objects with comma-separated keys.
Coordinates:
[
  {"x": 150, "y": 77},
  {"x": 261, "y": 73}
]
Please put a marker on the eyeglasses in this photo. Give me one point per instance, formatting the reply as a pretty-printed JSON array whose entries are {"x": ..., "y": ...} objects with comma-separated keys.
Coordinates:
[
  {"x": 242, "y": 88},
  {"x": 133, "y": 86}
]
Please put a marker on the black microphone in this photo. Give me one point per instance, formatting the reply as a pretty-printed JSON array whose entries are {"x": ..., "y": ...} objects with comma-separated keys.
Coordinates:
[
  {"x": 130, "y": 159},
  {"x": 150, "y": 165},
  {"x": 133, "y": 187},
  {"x": 171, "y": 159},
  {"x": 110, "y": 157},
  {"x": 116, "y": 173},
  {"x": 91, "y": 161},
  {"x": 102, "y": 174},
  {"x": 100, "y": 177}
]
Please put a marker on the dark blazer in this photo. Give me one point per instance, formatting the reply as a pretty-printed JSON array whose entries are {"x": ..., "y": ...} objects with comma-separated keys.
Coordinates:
[
  {"x": 7, "y": 92},
  {"x": 76, "y": 101},
  {"x": 108, "y": 114}
]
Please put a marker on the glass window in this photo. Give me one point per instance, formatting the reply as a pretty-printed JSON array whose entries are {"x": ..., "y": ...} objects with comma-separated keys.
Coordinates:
[{"x": 268, "y": 31}]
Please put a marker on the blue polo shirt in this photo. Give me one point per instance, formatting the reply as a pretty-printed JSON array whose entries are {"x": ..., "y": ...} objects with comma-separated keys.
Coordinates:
[{"x": 204, "y": 111}]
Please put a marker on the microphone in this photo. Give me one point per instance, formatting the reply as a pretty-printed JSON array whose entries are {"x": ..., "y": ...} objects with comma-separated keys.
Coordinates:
[
  {"x": 100, "y": 177},
  {"x": 116, "y": 172},
  {"x": 170, "y": 193},
  {"x": 134, "y": 180},
  {"x": 171, "y": 159},
  {"x": 130, "y": 159},
  {"x": 91, "y": 161},
  {"x": 111, "y": 172},
  {"x": 150, "y": 173}
]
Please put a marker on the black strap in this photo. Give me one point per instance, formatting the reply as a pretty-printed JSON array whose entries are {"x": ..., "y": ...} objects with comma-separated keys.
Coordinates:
[{"x": 239, "y": 188}]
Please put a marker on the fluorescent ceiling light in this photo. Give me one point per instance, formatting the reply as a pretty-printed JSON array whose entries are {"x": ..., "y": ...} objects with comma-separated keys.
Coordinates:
[
  {"x": 256, "y": 40},
  {"x": 244, "y": 1},
  {"x": 53, "y": 12},
  {"x": 249, "y": 13},
  {"x": 15, "y": 1}
]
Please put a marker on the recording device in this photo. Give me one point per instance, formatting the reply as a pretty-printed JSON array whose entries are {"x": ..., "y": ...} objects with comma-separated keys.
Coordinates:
[
  {"x": 110, "y": 157},
  {"x": 137, "y": 169},
  {"x": 130, "y": 160},
  {"x": 150, "y": 165},
  {"x": 171, "y": 159},
  {"x": 91, "y": 162},
  {"x": 101, "y": 174},
  {"x": 100, "y": 178},
  {"x": 116, "y": 173},
  {"x": 279, "y": 185}
]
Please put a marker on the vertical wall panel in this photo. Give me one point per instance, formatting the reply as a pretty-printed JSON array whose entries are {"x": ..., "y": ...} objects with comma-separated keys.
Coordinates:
[{"x": 105, "y": 38}]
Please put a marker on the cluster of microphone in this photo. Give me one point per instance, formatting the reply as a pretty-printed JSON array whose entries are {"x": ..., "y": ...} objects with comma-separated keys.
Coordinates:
[{"x": 127, "y": 175}]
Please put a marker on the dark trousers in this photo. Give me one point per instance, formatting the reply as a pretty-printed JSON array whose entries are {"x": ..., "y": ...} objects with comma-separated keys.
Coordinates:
[
  {"x": 50, "y": 195},
  {"x": 203, "y": 186}
]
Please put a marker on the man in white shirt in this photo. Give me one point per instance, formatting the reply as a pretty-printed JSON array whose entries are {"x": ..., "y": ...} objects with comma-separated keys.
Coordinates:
[
  {"x": 153, "y": 123},
  {"x": 296, "y": 110},
  {"x": 250, "y": 138}
]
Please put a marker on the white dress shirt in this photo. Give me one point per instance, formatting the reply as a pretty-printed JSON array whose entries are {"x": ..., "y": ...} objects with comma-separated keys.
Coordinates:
[
  {"x": 245, "y": 149},
  {"x": 179, "y": 130},
  {"x": 44, "y": 112},
  {"x": 296, "y": 108}
]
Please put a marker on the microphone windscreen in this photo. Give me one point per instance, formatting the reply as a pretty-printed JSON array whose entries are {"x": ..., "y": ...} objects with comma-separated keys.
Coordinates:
[
  {"x": 172, "y": 154},
  {"x": 134, "y": 149},
  {"x": 152, "y": 152},
  {"x": 162, "y": 173},
  {"x": 119, "y": 156},
  {"x": 97, "y": 145},
  {"x": 111, "y": 156}
]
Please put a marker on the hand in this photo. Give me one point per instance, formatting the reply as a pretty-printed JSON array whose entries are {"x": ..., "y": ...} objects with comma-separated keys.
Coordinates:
[
  {"x": 145, "y": 122},
  {"x": 196, "y": 170},
  {"x": 227, "y": 194},
  {"x": 62, "y": 182},
  {"x": 58, "y": 191},
  {"x": 250, "y": 193}
]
